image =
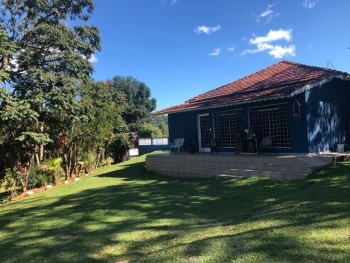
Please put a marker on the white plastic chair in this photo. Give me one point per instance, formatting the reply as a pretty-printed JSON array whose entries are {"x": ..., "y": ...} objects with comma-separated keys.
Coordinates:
[{"x": 178, "y": 145}]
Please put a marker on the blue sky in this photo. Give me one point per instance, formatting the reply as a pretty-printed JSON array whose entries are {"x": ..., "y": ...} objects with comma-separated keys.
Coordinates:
[{"x": 182, "y": 48}]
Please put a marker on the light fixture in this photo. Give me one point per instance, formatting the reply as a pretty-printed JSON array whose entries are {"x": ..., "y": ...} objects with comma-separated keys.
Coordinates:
[{"x": 296, "y": 110}]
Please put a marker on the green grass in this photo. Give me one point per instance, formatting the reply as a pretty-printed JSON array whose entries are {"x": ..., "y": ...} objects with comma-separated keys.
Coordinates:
[{"x": 123, "y": 214}]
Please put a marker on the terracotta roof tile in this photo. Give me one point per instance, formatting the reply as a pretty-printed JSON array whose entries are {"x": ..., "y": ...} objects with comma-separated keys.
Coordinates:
[{"x": 276, "y": 81}]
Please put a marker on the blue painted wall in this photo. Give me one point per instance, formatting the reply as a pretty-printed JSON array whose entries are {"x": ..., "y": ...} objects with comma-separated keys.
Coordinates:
[
  {"x": 324, "y": 119},
  {"x": 327, "y": 115}
]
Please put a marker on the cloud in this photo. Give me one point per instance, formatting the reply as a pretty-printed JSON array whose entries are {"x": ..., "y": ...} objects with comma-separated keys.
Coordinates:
[
  {"x": 215, "y": 52},
  {"x": 268, "y": 14},
  {"x": 206, "y": 29},
  {"x": 273, "y": 35},
  {"x": 264, "y": 43},
  {"x": 231, "y": 49},
  {"x": 93, "y": 59},
  {"x": 309, "y": 4}
]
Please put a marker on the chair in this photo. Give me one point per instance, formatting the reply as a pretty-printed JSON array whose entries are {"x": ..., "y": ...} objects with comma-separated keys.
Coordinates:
[
  {"x": 266, "y": 144},
  {"x": 177, "y": 145},
  {"x": 213, "y": 147}
]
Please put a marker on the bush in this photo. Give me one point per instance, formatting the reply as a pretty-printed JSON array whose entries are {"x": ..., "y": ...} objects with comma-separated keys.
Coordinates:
[
  {"x": 118, "y": 148},
  {"x": 11, "y": 183},
  {"x": 89, "y": 162},
  {"x": 38, "y": 178}
]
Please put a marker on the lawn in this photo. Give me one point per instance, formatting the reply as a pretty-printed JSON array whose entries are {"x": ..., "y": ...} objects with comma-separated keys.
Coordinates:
[{"x": 123, "y": 214}]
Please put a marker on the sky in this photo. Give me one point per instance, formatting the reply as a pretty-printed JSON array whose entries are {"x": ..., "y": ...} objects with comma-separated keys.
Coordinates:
[{"x": 183, "y": 48}]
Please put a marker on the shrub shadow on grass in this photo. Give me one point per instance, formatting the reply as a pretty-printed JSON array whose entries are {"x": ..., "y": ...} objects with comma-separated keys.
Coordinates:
[{"x": 151, "y": 218}]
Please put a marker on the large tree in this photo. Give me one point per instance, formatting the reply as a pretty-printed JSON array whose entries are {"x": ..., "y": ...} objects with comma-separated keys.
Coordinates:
[
  {"x": 44, "y": 58},
  {"x": 138, "y": 101}
]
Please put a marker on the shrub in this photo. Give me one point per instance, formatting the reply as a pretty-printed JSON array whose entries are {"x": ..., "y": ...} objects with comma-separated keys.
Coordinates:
[
  {"x": 38, "y": 178},
  {"x": 11, "y": 183},
  {"x": 119, "y": 147}
]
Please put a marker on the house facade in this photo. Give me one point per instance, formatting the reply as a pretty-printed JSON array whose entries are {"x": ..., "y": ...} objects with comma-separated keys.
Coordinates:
[{"x": 288, "y": 107}]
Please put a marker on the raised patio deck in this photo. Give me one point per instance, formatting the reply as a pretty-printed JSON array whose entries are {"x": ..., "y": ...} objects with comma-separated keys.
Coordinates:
[{"x": 278, "y": 167}]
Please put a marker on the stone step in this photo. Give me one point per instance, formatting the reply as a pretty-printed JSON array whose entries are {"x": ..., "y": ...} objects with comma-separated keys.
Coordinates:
[
  {"x": 224, "y": 161},
  {"x": 276, "y": 167},
  {"x": 267, "y": 174},
  {"x": 188, "y": 168},
  {"x": 225, "y": 167},
  {"x": 238, "y": 174},
  {"x": 184, "y": 174}
]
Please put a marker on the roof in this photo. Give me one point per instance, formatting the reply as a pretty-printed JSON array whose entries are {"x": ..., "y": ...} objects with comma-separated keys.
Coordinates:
[{"x": 281, "y": 80}]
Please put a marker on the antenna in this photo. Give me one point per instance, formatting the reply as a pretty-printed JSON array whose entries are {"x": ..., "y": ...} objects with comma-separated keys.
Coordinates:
[{"x": 330, "y": 65}]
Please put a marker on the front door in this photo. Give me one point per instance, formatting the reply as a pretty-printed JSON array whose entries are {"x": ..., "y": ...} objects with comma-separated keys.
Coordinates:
[{"x": 203, "y": 132}]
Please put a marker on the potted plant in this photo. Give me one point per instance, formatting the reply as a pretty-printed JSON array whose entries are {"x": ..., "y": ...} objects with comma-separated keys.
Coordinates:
[{"x": 191, "y": 146}]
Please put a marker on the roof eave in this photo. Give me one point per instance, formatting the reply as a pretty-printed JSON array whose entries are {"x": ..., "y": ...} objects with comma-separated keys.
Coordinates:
[
  {"x": 294, "y": 93},
  {"x": 315, "y": 84},
  {"x": 222, "y": 106}
]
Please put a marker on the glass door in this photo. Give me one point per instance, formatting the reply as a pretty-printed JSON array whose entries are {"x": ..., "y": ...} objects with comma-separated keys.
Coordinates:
[{"x": 203, "y": 122}]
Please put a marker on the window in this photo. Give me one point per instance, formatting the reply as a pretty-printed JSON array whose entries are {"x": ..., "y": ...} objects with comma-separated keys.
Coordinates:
[
  {"x": 228, "y": 126},
  {"x": 272, "y": 121}
]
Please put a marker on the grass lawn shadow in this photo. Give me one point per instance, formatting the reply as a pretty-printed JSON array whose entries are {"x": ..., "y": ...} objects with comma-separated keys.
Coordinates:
[{"x": 128, "y": 215}]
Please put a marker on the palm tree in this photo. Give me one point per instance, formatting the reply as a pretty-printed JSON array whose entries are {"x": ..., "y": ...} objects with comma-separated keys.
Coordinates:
[{"x": 53, "y": 166}]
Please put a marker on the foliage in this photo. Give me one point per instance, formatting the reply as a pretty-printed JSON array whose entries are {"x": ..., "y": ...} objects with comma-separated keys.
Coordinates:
[
  {"x": 38, "y": 177},
  {"x": 7, "y": 49},
  {"x": 161, "y": 121},
  {"x": 147, "y": 130},
  {"x": 50, "y": 108},
  {"x": 53, "y": 167},
  {"x": 89, "y": 163},
  {"x": 44, "y": 62},
  {"x": 119, "y": 147},
  {"x": 11, "y": 183},
  {"x": 138, "y": 103}
]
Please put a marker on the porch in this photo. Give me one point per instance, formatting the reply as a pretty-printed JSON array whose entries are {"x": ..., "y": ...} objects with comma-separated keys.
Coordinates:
[{"x": 206, "y": 165}]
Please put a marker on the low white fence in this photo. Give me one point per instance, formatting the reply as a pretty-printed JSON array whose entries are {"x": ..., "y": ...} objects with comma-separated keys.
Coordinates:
[
  {"x": 147, "y": 145},
  {"x": 154, "y": 141}
]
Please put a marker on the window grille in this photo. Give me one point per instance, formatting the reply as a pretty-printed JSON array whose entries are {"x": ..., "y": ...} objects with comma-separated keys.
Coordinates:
[
  {"x": 272, "y": 121},
  {"x": 228, "y": 127},
  {"x": 205, "y": 131}
]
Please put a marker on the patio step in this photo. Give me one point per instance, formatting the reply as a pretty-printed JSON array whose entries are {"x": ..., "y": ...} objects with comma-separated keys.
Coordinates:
[
  {"x": 207, "y": 166},
  {"x": 267, "y": 174}
]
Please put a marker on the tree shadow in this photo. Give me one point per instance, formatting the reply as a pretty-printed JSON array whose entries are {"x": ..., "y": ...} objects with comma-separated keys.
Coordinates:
[{"x": 150, "y": 218}]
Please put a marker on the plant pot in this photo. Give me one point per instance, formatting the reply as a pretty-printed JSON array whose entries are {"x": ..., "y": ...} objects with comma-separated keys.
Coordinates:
[{"x": 191, "y": 149}]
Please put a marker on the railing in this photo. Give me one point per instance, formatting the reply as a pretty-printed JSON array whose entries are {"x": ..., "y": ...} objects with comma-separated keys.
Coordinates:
[
  {"x": 147, "y": 145},
  {"x": 153, "y": 141}
]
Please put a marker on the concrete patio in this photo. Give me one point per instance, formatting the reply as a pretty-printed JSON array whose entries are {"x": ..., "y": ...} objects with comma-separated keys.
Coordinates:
[{"x": 203, "y": 165}]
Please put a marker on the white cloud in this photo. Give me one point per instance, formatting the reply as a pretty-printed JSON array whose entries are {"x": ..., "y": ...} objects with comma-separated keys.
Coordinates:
[
  {"x": 231, "y": 49},
  {"x": 206, "y": 29},
  {"x": 215, "y": 52},
  {"x": 280, "y": 52},
  {"x": 264, "y": 43},
  {"x": 273, "y": 35},
  {"x": 93, "y": 59},
  {"x": 267, "y": 15},
  {"x": 309, "y": 4}
]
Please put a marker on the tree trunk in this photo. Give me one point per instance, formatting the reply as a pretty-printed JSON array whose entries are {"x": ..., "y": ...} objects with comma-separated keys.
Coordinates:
[{"x": 41, "y": 149}]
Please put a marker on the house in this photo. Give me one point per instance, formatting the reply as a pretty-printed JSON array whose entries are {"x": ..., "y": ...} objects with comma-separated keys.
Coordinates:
[{"x": 289, "y": 107}]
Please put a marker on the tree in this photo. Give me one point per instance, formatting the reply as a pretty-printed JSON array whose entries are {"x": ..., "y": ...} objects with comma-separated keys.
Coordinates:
[
  {"x": 43, "y": 62},
  {"x": 148, "y": 130},
  {"x": 138, "y": 102},
  {"x": 161, "y": 121}
]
